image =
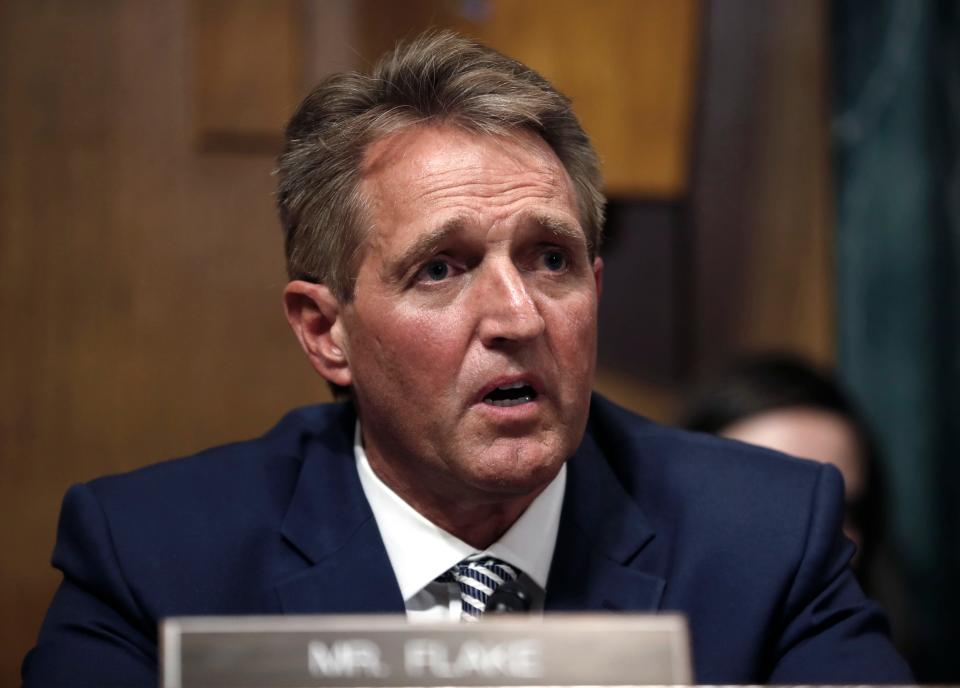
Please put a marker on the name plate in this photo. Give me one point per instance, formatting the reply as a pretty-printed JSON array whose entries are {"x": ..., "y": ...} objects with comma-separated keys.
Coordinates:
[{"x": 374, "y": 651}]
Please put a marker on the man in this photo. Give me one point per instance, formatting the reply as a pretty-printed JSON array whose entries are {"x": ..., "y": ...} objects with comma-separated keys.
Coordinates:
[{"x": 442, "y": 220}]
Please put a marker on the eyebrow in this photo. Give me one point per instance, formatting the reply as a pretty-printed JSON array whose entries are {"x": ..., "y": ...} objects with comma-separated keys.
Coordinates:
[
  {"x": 395, "y": 271},
  {"x": 561, "y": 229}
]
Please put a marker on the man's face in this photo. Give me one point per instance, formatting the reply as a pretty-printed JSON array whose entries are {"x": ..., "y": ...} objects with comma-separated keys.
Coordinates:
[{"x": 471, "y": 339}]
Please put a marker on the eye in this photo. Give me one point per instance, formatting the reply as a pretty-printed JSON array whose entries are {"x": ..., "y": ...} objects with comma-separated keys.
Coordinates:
[
  {"x": 435, "y": 271},
  {"x": 554, "y": 260}
]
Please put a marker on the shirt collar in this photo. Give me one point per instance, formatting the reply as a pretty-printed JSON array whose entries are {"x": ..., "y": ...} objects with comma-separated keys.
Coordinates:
[{"x": 419, "y": 550}]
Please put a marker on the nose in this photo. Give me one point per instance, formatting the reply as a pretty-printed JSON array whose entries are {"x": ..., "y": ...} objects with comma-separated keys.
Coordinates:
[{"x": 507, "y": 307}]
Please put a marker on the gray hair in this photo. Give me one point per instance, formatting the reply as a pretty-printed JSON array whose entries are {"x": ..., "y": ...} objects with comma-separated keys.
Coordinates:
[{"x": 439, "y": 77}]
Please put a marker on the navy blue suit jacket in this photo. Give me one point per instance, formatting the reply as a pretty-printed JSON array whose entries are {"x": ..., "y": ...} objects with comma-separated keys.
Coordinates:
[{"x": 743, "y": 541}]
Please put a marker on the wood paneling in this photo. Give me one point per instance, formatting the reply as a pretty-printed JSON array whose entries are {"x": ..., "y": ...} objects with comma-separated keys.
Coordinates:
[
  {"x": 140, "y": 279},
  {"x": 642, "y": 308},
  {"x": 248, "y": 71},
  {"x": 762, "y": 267},
  {"x": 629, "y": 68}
]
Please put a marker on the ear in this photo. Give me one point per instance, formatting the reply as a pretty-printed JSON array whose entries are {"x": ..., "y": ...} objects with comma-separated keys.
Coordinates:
[
  {"x": 314, "y": 315},
  {"x": 598, "y": 274}
]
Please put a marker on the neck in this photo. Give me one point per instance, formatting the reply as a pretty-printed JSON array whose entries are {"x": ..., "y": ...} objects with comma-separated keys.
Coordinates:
[{"x": 477, "y": 518}]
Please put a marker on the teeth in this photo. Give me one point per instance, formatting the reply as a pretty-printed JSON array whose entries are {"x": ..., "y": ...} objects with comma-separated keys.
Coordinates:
[
  {"x": 515, "y": 385},
  {"x": 512, "y": 394},
  {"x": 510, "y": 402}
]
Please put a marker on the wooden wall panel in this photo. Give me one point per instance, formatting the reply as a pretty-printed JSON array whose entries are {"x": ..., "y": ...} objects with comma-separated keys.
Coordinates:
[
  {"x": 789, "y": 296},
  {"x": 248, "y": 70},
  {"x": 140, "y": 278},
  {"x": 629, "y": 68},
  {"x": 761, "y": 269}
]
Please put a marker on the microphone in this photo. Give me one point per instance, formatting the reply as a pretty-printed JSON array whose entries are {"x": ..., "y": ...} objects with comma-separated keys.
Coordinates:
[{"x": 511, "y": 597}]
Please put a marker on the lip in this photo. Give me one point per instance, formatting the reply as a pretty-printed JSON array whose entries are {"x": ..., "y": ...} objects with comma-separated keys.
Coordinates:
[{"x": 527, "y": 378}]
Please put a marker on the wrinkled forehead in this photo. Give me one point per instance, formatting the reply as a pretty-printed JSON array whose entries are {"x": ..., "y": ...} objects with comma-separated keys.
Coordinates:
[
  {"x": 420, "y": 160},
  {"x": 392, "y": 147}
]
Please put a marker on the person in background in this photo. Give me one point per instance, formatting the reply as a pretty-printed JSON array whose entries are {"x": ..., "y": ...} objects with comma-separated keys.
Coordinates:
[{"x": 783, "y": 402}]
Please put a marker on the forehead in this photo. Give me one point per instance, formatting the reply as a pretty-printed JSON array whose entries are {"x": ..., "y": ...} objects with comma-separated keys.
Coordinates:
[
  {"x": 810, "y": 433},
  {"x": 435, "y": 168}
]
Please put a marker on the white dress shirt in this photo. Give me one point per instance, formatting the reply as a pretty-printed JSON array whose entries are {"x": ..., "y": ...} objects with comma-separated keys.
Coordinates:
[{"x": 420, "y": 551}]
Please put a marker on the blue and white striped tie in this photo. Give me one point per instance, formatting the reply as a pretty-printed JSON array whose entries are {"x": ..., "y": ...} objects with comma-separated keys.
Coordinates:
[{"x": 478, "y": 577}]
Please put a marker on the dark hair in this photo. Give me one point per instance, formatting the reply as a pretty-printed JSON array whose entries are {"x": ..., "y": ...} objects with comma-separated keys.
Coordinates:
[
  {"x": 440, "y": 78},
  {"x": 764, "y": 383},
  {"x": 771, "y": 382}
]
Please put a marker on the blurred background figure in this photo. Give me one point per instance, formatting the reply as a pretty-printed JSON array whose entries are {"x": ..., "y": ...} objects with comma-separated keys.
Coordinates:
[{"x": 782, "y": 402}]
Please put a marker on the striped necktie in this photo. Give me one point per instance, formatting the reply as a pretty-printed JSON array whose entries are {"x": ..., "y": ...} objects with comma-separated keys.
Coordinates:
[{"x": 478, "y": 577}]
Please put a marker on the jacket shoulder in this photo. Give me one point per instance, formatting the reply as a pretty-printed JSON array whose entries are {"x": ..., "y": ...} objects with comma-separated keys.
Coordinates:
[
  {"x": 215, "y": 470},
  {"x": 645, "y": 453},
  {"x": 750, "y": 544},
  {"x": 712, "y": 491},
  {"x": 179, "y": 527}
]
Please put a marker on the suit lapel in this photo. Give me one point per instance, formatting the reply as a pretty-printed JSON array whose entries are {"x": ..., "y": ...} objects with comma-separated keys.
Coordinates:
[
  {"x": 330, "y": 523},
  {"x": 606, "y": 556},
  {"x": 605, "y": 559}
]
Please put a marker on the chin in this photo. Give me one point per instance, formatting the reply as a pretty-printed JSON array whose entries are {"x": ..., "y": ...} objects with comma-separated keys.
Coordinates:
[{"x": 519, "y": 470}]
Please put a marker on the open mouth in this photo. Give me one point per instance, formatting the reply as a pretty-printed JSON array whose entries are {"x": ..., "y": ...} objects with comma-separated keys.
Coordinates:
[{"x": 510, "y": 395}]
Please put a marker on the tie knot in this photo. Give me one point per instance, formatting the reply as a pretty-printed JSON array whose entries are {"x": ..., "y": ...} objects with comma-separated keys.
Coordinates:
[{"x": 478, "y": 577}]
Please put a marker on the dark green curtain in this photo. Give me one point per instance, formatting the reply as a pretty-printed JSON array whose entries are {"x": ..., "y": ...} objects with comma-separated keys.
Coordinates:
[{"x": 896, "y": 131}]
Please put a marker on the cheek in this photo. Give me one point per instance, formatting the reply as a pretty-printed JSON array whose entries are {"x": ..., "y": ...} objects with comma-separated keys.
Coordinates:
[
  {"x": 574, "y": 345},
  {"x": 419, "y": 345},
  {"x": 575, "y": 329}
]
